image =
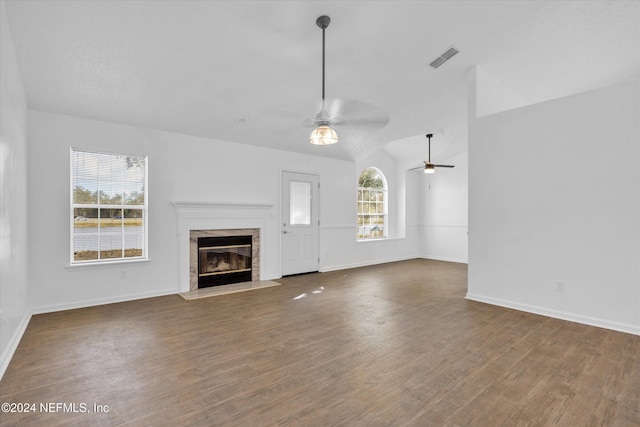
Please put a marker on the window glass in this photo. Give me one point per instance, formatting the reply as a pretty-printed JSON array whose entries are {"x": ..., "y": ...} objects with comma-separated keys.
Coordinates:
[
  {"x": 372, "y": 204},
  {"x": 109, "y": 207},
  {"x": 300, "y": 203}
]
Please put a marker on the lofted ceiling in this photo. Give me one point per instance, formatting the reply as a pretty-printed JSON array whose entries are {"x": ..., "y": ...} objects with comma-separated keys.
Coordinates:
[{"x": 250, "y": 71}]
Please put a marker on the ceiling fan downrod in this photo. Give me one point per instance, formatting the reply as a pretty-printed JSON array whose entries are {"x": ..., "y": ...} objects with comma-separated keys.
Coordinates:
[
  {"x": 323, "y": 134},
  {"x": 428, "y": 166},
  {"x": 323, "y": 22}
]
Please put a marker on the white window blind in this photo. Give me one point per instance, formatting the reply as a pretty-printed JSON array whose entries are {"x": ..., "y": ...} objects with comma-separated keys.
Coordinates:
[{"x": 108, "y": 207}]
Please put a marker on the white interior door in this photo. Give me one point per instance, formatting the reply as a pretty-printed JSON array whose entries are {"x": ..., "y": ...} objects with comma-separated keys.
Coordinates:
[{"x": 300, "y": 228}]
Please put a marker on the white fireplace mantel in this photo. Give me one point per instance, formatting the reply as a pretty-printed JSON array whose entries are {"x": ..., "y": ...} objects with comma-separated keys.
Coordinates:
[
  {"x": 218, "y": 216},
  {"x": 221, "y": 209}
]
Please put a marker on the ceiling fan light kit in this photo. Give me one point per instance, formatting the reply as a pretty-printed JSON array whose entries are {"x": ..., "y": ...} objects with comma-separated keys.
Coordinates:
[
  {"x": 323, "y": 134},
  {"x": 429, "y": 167}
]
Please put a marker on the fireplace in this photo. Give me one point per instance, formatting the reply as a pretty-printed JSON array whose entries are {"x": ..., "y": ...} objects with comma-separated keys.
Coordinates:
[
  {"x": 212, "y": 219},
  {"x": 223, "y": 256},
  {"x": 224, "y": 260}
]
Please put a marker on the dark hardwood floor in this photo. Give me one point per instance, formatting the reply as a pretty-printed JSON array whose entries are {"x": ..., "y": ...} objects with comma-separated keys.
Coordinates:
[{"x": 393, "y": 344}]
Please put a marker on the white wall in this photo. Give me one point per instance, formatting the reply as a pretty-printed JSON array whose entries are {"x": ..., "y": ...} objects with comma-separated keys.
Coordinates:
[
  {"x": 444, "y": 211},
  {"x": 13, "y": 198},
  {"x": 554, "y": 196},
  {"x": 400, "y": 245},
  {"x": 181, "y": 168}
]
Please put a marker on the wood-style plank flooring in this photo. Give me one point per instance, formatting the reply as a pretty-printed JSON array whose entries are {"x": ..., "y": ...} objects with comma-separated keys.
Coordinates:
[{"x": 393, "y": 344}]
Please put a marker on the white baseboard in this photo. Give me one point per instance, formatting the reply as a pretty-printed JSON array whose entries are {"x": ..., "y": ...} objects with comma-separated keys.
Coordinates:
[
  {"x": 440, "y": 258},
  {"x": 577, "y": 318},
  {"x": 364, "y": 263},
  {"x": 7, "y": 354},
  {"x": 102, "y": 301}
]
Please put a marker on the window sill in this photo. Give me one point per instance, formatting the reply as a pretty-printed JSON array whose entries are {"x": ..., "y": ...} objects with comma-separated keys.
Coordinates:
[
  {"x": 119, "y": 262},
  {"x": 377, "y": 239}
]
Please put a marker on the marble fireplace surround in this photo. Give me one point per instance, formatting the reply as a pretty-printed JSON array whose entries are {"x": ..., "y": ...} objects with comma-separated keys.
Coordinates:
[
  {"x": 194, "y": 218},
  {"x": 194, "y": 235}
]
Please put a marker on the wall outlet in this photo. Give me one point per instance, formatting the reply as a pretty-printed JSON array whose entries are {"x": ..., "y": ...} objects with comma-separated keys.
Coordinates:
[{"x": 559, "y": 286}]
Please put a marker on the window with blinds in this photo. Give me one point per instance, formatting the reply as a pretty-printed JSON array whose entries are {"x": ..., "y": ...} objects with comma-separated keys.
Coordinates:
[{"x": 108, "y": 207}]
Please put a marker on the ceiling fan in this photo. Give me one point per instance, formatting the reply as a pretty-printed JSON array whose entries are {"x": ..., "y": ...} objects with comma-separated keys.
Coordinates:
[
  {"x": 341, "y": 111},
  {"x": 428, "y": 166}
]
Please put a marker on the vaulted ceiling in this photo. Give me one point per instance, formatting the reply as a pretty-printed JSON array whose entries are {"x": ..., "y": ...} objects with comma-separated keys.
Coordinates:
[{"x": 250, "y": 71}]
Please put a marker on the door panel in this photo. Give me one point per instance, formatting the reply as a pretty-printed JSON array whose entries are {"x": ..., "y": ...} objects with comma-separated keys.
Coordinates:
[{"x": 300, "y": 229}]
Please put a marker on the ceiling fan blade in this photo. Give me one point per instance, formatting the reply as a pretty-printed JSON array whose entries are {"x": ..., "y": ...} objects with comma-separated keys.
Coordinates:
[
  {"x": 334, "y": 106},
  {"x": 444, "y": 166},
  {"x": 417, "y": 168},
  {"x": 355, "y": 113}
]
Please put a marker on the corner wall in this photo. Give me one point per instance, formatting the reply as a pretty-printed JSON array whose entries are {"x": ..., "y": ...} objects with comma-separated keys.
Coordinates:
[
  {"x": 554, "y": 208},
  {"x": 14, "y": 314},
  {"x": 444, "y": 211}
]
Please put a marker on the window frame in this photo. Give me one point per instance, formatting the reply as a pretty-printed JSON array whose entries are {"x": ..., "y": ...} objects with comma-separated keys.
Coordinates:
[
  {"x": 144, "y": 208},
  {"x": 384, "y": 192}
]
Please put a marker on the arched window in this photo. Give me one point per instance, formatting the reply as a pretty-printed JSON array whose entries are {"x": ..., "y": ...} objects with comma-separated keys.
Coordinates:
[{"x": 372, "y": 204}]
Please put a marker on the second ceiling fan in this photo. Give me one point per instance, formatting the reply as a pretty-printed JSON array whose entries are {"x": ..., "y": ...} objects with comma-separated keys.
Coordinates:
[{"x": 428, "y": 166}]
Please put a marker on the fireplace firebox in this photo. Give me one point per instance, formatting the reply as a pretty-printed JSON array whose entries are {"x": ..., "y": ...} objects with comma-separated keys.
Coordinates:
[{"x": 224, "y": 260}]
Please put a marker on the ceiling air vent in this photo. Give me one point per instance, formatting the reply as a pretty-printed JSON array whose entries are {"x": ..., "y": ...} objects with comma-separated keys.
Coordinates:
[{"x": 444, "y": 57}]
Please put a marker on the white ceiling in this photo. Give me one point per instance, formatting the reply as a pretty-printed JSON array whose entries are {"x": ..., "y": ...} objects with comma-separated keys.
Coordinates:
[{"x": 250, "y": 71}]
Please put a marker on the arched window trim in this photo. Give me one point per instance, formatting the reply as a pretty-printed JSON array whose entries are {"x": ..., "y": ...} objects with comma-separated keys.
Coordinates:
[{"x": 372, "y": 224}]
